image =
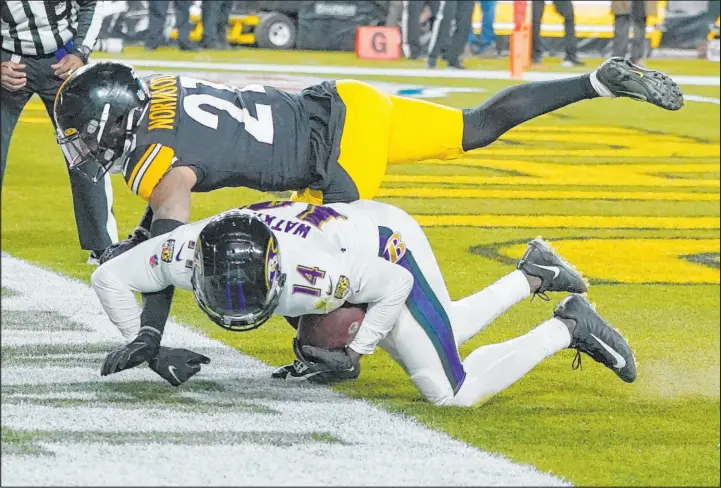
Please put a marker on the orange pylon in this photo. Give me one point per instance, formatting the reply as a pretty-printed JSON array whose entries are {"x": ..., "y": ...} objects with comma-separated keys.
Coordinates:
[{"x": 520, "y": 41}]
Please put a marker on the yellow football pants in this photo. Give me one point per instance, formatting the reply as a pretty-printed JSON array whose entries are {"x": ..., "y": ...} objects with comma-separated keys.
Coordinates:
[{"x": 382, "y": 129}]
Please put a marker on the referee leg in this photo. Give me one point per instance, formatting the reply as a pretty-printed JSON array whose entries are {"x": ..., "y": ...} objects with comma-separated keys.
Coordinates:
[
  {"x": 443, "y": 13},
  {"x": 92, "y": 202},
  {"x": 11, "y": 105},
  {"x": 182, "y": 22},
  {"x": 157, "y": 11},
  {"x": 411, "y": 28},
  {"x": 464, "y": 14}
]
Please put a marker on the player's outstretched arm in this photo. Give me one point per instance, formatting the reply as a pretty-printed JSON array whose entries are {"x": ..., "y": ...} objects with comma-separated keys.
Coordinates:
[
  {"x": 157, "y": 299},
  {"x": 115, "y": 282},
  {"x": 170, "y": 201}
]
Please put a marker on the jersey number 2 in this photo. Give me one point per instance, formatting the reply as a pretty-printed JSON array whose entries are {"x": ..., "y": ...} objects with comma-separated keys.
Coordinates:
[{"x": 261, "y": 128}]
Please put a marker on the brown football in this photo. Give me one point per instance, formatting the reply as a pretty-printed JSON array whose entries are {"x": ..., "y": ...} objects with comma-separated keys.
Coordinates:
[{"x": 331, "y": 331}]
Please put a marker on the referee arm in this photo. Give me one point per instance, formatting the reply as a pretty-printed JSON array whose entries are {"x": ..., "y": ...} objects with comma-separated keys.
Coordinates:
[{"x": 89, "y": 22}]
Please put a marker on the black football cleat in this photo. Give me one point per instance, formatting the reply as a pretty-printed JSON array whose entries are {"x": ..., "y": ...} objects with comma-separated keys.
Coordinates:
[
  {"x": 624, "y": 79},
  {"x": 297, "y": 372},
  {"x": 556, "y": 274},
  {"x": 94, "y": 257},
  {"x": 594, "y": 336}
]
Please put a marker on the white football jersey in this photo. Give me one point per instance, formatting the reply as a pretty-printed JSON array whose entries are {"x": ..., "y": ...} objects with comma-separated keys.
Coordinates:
[
  {"x": 313, "y": 242},
  {"x": 328, "y": 253}
]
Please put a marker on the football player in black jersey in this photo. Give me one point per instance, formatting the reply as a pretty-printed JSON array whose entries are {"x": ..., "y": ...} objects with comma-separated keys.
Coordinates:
[{"x": 172, "y": 135}]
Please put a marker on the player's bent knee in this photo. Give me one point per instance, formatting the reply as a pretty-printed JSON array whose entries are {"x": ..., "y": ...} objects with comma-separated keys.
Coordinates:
[
  {"x": 434, "y": 386},
  {"x": 476, "y": 131}
]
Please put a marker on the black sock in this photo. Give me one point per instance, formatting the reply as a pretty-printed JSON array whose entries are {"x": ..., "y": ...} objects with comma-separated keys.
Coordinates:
[{"x": 517, "y": 104}]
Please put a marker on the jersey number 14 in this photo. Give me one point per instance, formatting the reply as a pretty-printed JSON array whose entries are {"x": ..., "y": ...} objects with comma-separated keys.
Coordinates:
[{"x": 260, "y": 128}]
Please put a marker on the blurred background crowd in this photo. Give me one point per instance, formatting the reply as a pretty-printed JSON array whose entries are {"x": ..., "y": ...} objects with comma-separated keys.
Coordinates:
[{"x": 451, "y": 30}]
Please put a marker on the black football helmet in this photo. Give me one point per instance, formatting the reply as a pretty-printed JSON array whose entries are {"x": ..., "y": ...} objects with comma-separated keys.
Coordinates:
[
  {"x": 237, "y": 280},
  {"x": 97, "y": 112}
]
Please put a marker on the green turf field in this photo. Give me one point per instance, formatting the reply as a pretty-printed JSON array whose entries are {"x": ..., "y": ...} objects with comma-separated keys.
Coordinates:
[{"x": 627, "y": 192}]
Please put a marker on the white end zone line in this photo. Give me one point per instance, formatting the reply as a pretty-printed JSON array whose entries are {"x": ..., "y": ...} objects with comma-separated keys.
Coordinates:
[
  {"x": 399, "y": 72},
  {"x": 375, "y": 447}
]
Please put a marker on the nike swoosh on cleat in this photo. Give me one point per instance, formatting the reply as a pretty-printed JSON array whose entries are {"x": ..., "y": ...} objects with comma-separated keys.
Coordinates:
[
  {"x": 637, "y": 96},
  {"x": 301, "y": 377},
  {"x": 171, "y": 369},
  {"x": 636, "y": 72},
  {"x": 556, "y": 270},
  {"x": 620, "y": 362}
]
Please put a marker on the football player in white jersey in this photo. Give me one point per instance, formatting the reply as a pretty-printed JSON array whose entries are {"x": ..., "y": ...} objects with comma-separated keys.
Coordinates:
[{"x": 295, "y": 259}]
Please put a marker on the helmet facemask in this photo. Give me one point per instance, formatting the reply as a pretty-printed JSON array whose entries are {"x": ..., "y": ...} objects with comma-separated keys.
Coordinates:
[
  {"x": 102, "y": 146},
  {"x": 97, "y": 112}
]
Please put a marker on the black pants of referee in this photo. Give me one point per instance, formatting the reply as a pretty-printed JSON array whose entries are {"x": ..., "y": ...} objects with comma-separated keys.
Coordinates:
[
  {"x": 157, "y": 11},
  {"x": 621, "y": 27},
  {"x": 565, "y": 9},
  {"x": 444, "y": 42},
  {"x": 92, "y": 201},
  {"x": 215, "y": 22}
]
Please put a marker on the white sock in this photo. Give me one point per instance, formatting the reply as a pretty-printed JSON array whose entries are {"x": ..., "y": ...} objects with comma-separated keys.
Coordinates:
[
  {"x": 493, "y": 368},
  {"x": 472, "y": 314},
  {"x": 599, "y": 87}
]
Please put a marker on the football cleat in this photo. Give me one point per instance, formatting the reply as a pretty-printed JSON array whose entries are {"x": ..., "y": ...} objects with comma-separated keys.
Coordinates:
[
  {"x": 295, "y": 372},
  {"x": 622, "y": 78},
  {"x": 298, "y": 372},
  {"x": 556, "y": 274},
  {"x": 94, "y": 257},
  {"x": 594, "y": 336}
]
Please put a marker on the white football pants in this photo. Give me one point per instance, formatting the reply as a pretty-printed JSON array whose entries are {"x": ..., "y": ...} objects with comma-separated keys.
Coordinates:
[{"x": 431, "y": 327}]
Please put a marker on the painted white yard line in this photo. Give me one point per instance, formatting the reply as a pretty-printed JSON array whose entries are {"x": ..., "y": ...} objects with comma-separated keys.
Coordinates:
[
  {"x": 372, "y": 446},
  {"x": 399, "y": 72},
  {"x": 699, "y": 98}
]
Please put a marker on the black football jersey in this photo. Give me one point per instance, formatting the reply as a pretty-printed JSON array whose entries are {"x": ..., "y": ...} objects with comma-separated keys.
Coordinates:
[{"x": 255, "y": 136}]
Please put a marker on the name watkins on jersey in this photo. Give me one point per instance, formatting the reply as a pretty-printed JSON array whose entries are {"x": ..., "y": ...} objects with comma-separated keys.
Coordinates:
[
  {"x": 287, "y": 226},
  {"x": 163, "y": 102}
]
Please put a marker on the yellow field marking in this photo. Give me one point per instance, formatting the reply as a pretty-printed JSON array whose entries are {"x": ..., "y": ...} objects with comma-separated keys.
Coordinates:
[
  {"x": 540, "y": 140},
  {"x": 635, "y": 260},
  {"x": 577, "y": 180},
  {"x": 543, "y": 195},
  {"x": 550, "y": 174},
  {"x": 568, "y": 221},
  {"x": 33, "y": 106},
  {"x": 35, "y": 120},
  {"x": 581, "y": 129}
]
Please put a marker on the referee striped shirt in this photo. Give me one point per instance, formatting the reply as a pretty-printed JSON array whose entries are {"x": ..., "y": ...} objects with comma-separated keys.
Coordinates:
[{"x": 39, "y": 28}]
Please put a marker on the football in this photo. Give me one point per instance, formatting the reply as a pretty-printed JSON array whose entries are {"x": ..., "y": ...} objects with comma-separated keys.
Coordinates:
[{"x": 331, "y": 331}]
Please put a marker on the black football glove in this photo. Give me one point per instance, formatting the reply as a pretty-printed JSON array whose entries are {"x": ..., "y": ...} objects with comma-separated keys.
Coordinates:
[
  {"x": 177, "y": 366},
  {"x": 115, "y": 250},
  {"x": 144, "y": 348},
  {"x": 326, "y": 366}
]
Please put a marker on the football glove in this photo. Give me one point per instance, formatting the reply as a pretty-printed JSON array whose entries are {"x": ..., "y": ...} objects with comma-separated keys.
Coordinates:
[
  {"x": 115, "y": 250},
  {"x": 177, "y": 366},
  {"x": 143, "y": 348},
  {"x": 326, "y": 366}
]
